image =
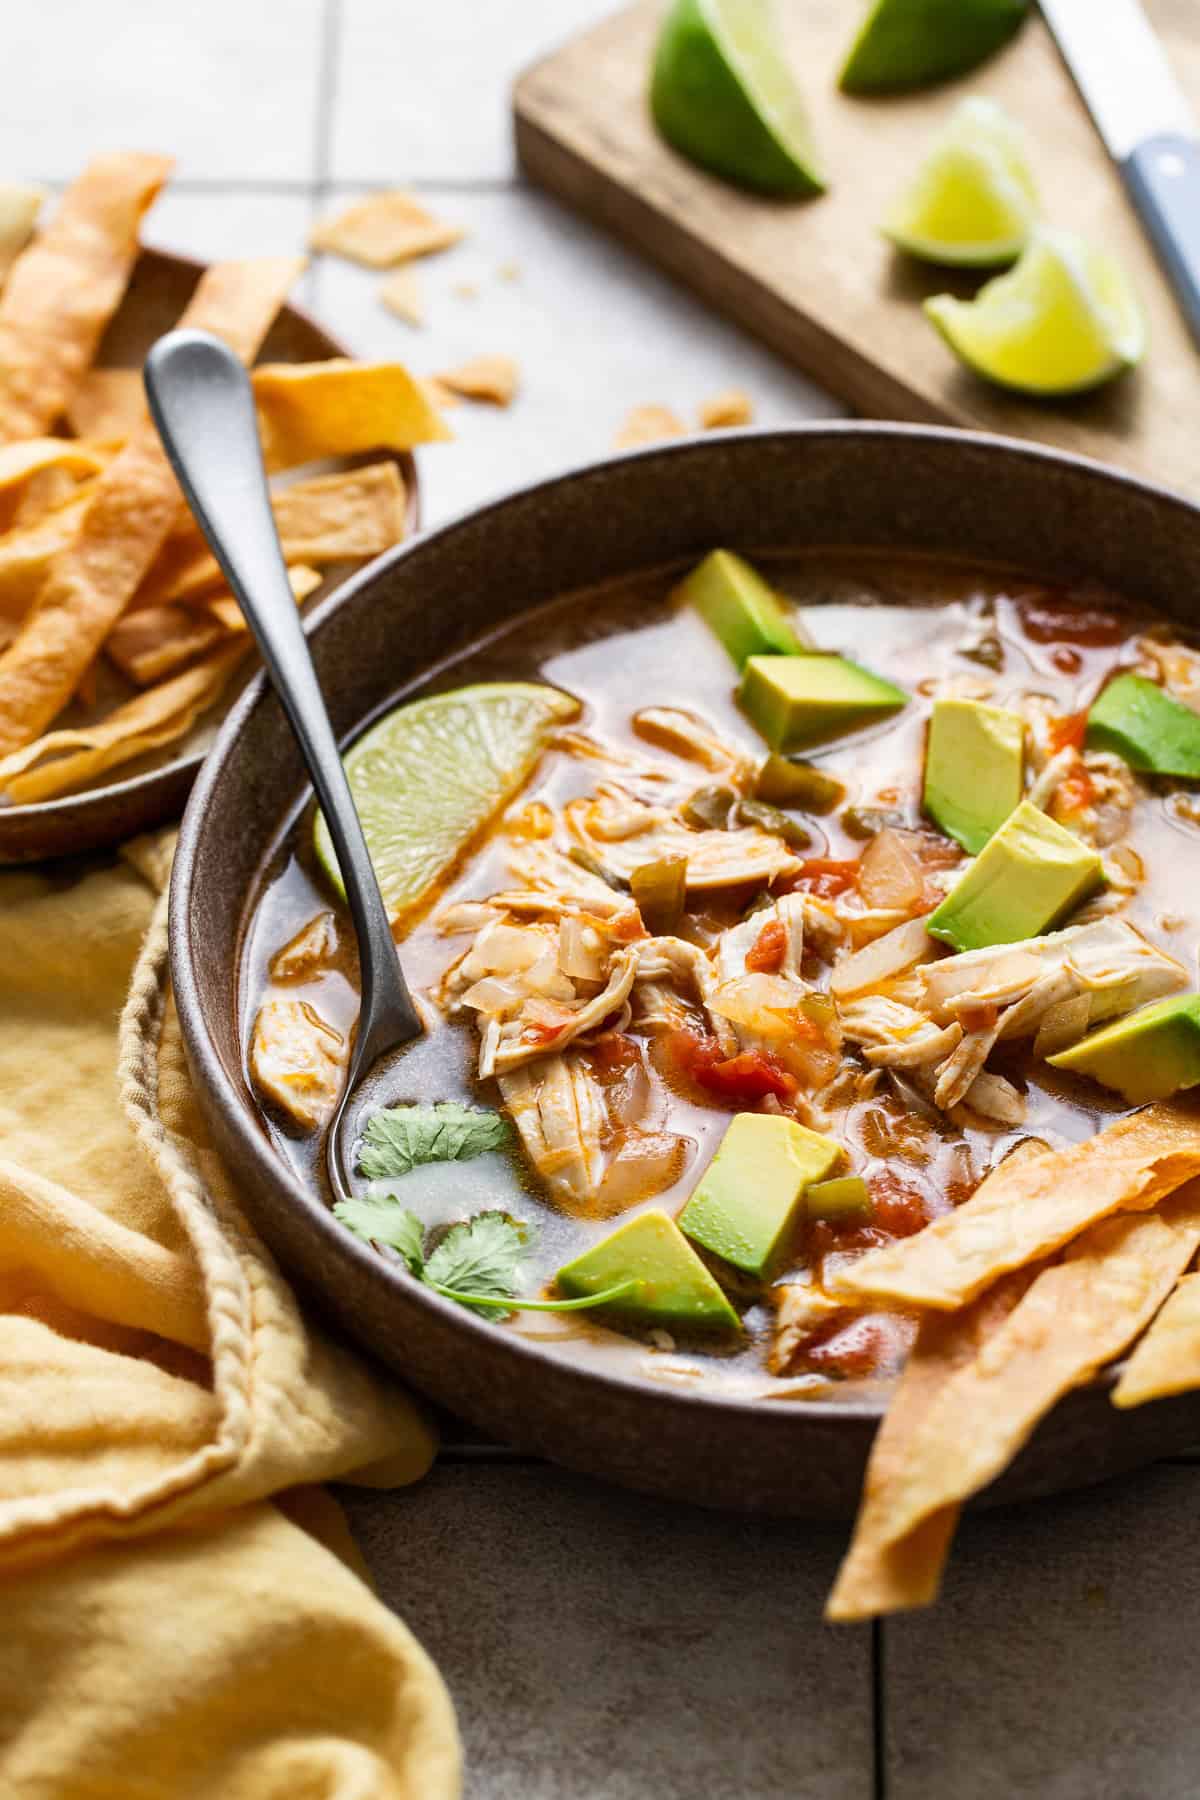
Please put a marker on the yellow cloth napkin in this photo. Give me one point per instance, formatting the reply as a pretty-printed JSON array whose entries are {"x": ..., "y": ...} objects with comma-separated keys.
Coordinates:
[{"x": 165, "y": 1629}]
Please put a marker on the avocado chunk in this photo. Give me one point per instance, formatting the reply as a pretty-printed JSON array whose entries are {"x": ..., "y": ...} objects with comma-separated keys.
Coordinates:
[
  {"x": 752, "y": 1188},
  {"x": 1147, "y": 726},
  {"x": 974, "y": 769},
  {"x": 800, "y": 700},
  {"x": 1026, "y": 878},
  {"x": 673, "y": 1286},
  {"x": 746, "y": 614},
  {"x": 1148, "y": 1055}
]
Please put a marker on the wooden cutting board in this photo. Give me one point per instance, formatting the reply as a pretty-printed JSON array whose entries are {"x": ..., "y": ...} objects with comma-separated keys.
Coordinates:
[{"x": 816, "y": 280}]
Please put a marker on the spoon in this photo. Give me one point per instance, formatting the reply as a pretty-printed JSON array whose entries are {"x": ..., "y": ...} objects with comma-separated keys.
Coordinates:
[{"x": 203, "y": 405}]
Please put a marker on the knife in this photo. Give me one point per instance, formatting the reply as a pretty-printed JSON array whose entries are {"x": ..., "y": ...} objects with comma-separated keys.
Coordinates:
[{"x": 1148, "y": 127}]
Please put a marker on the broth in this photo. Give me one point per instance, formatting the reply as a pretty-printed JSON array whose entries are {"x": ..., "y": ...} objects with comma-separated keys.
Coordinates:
[{"x": 932, "y": 629}]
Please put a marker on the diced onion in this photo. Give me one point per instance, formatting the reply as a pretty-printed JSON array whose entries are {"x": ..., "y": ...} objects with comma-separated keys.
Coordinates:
[
  {"x": 580, "y": 949},
  {"x": 506, "y": 948},
  {"x": 1062, "y": 1025},
  {"x": 908, "y": 944},
  {"x": 494, "y": 996},
  {"x": 645, "y": 1166},
  {"x": 889, "y": 874},
  {"x": 763, "y": 1003}
]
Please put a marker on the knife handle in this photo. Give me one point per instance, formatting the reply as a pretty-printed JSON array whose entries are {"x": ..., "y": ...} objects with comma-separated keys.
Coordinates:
[{"x": 1163, "y": 179}]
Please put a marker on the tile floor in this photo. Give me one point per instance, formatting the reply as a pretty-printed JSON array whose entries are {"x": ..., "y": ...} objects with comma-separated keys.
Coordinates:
[{"x": 601, "y": 1647}]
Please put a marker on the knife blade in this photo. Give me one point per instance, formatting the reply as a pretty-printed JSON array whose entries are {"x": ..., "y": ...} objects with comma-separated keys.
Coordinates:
[{"x": 1146, "y": 123}]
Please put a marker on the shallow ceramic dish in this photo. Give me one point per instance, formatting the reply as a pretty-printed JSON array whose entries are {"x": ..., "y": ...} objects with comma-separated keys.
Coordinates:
[
  {"x": 158, "y": 785},
  {"x": 851, "y": 486}
]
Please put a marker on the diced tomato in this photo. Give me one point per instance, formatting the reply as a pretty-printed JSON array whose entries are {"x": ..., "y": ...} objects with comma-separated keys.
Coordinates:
[
  {"x": 769, "y": 948},
  {"x": 545, "y": 1034},
  {"x": 827, "y": 876},
  {"x": 627, "y": 927},
  {"x": 854, "y": 1347},
  {"x": 1058, "y": 616},
  {"x": 898, "y": 1207},
  {"x": 1075, "y": 791},
  {"x": 742, "y": 1079},
  {"x": 1066, "y": 660},
  {"x": 1068, "y": 732},
  {"x": 612, "y": 1050}
]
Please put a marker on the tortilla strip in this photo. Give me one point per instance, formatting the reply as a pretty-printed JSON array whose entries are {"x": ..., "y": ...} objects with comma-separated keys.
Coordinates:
[
  {"x": 62, "y": 291},
  {"x": 225, "y": 609},
  {"x": 159, "y": 716},
  {"x": 131, "y": 509},
  {"x": 1078, "y": 1315},
  {"x": 648, "y": 425},
  {"x": 20, "y": 205},
  {"x": 1167, "y": 1360},
  {"x": 26, "y": 555},
  {"x": 107, "y": 404},
  {"x": 309, "y": 411},
  {"x": 490, "y": 378},
  {"x": 382, "y": 230},
  {"x": 156, "y": 641},
  {"x": 1025, "y": 1209},
  {"x": 401, "y": 294},
  {"x": 26, "y": 468},
  {"x": 333, "y": 518},
  {"x": 877, "y": 1576}
]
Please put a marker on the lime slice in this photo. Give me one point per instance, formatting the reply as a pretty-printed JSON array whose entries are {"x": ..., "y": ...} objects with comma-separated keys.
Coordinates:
[
  {"x": 430, "y": 775},
  {"x": 909, "y": 43},
  {"x": 723, "y": 95},
  {"x": 972, "y": 201},
  {"x": 1064, "y": 320}
]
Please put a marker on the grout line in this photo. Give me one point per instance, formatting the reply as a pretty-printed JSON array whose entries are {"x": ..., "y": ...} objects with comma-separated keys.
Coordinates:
[
  {"x": 878, "y": 1713},
  {"x": 327, "y": 91}
]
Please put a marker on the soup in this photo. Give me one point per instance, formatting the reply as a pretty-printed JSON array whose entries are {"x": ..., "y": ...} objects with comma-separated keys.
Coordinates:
[{"x": 675, "y": 940}]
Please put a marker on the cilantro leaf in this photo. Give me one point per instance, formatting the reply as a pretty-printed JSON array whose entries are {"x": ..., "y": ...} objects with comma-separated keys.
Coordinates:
[
  {"x": 383, "y": 1221},
  {"x": 480, "y": 1257},
  {"x": 399, "y": 1138}
]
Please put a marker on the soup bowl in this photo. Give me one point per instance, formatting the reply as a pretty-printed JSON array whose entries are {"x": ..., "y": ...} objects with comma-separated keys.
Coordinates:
[{"x": 854, "y": 487}]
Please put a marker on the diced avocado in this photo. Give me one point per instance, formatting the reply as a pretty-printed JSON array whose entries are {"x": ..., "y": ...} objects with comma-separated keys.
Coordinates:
[
  {"x": 1147, "y": 1055},
  {"x": 748, "y": 1195},
  {"x": 674, "y": 1287},
  {"x": 974, "y": 768},
  {"x": 1147, "y": 726},
  {"x": 800, "y": 700},
  {"x": 844, "y": 1198},
  {"x": 741, "y": 608},
  {"x": 1027, "y": 877}
]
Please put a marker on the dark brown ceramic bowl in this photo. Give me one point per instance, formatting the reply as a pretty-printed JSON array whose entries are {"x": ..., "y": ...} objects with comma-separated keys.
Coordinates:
[
  {"x": 851, "y": 485},
  {"x": 155, "y": 788}
]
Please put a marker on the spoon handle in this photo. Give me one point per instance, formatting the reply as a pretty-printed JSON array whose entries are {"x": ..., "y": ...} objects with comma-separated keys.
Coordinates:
[{"x": 203, "y": 405}]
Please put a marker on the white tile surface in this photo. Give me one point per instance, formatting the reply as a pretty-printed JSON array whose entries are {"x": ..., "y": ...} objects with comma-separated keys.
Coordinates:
[
  {"x": 594, "y": 330},
  {"x": 422, "y": 90},
  {"x": 1063, "y": 1660},
  {"x": 604, "y": 1647},
  {"x": 228, "y": 86}
]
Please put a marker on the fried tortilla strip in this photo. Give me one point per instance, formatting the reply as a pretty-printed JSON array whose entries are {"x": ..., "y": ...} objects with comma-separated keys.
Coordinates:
[
  {"x": 383, "y": 230},
  {"x": 26, "y": 554},
  {"x": 225, "y": 609},
  {"x": 62, "y": 291},
  {"x": 648, "y": 425},
  {"x": 159, "y": 716},
  {"x": 877, "y": 1576},
  {"x": 1167, "y": 1361},
  {"x": 1077, "y": 1316},
  {"x": 731, "y": 407},
  {"x": 131, "y": 508},
  {"x": 20, "y": 205},
  {"x": 107, "y": 405},
  {"x": 334, "y": 518},
  {"x": 339, "y": 408},
  {"x": 156, "y": 641},
  {"x": 21, "y": 463},
  {"x": 489, "y": 378},
  {"x": 1028, "y": 1208},
  {"x": 401, "y": 294}
]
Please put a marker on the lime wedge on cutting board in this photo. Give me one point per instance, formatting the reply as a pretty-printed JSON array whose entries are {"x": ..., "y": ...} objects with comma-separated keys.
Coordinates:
[
  {"x": 908, "y": 43},
  {"x": 972, "y": 202},
  {"x": 430, "y": 776},
  {"x": 722, "y": 94},
  {"x": 1064, "y": 320}
]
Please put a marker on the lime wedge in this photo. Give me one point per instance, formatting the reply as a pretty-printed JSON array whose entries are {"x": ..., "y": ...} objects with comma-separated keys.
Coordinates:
[
  {"x": 430, "y": 776},
  {"x": 1064, "y": 320},
  {"x": 972, "y": 201},
  {"x": 722, "y": 94},
  {"x": 909, "y": 43}
]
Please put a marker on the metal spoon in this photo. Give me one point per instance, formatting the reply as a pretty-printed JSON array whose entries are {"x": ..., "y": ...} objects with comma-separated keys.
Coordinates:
[{"x": 202, "y": 402}]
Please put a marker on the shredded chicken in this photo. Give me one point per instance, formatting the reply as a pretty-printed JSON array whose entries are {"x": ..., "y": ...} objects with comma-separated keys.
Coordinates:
[
  {"x": 296, "y": 1060},
  {"x": 314, "y": 945},
  {"x": 558, "y": 1109},
  {"x": 801, "y": 1309},
  {"x": 686, "y": 735},
  {"x": 621, "y": 832}
]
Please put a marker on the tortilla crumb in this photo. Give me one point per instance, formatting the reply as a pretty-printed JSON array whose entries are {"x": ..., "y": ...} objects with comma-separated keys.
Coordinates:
[
  {"x": 509, "y": 271},
  {"x": 732, "y": 406},
  {"x": 648, "y": 425},
  {"x": 383, "y": 230},
  {"x": 401, "y": 294},
  {"x": 467, "y": 290},
  {"x": 489, "y": 378}
]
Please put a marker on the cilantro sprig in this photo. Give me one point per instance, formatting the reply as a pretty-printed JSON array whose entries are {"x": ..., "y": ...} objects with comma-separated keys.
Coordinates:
[{"x": 400, "y": 1138}]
